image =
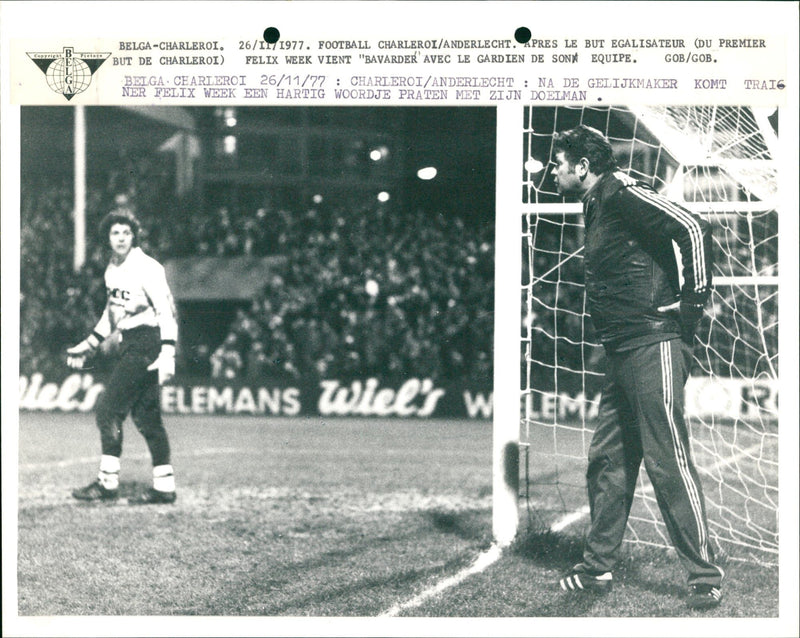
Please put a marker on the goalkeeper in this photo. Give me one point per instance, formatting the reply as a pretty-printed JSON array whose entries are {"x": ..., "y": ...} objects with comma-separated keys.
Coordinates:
[
  {"x": 646, "y": 321},
  {"x": 138, "y": 329}
]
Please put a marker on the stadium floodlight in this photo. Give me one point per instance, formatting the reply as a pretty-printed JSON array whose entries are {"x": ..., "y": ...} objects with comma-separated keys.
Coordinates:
[
  {"x": 230, "y": 117},
  {"x": 378, "y": 153},
  {"x": 718, "y": 161},
  {"x": 427, "y": 173},
  {"x": 229, "y": 144}
]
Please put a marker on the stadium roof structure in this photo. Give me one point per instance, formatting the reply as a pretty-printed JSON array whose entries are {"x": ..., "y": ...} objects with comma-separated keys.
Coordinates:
[{"x": 111, "y": 132}]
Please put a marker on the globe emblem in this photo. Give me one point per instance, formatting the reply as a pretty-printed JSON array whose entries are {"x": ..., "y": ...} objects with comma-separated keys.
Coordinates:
[{"x": 68, "y": 80}]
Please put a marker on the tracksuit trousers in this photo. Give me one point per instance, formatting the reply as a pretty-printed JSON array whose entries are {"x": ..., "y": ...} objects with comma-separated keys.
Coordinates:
[{"x": 641, "y": 418}]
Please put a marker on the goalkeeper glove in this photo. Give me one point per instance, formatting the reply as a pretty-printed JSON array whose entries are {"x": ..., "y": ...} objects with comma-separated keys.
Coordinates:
[
  {"x": 165, "y": 363},
  {"x": 111, "y": 344},
  {"x": 76, "y": 355}
]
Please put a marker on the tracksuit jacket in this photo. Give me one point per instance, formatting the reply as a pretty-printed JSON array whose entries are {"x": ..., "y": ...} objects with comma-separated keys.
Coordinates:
[{"x": 630, "y": 265}]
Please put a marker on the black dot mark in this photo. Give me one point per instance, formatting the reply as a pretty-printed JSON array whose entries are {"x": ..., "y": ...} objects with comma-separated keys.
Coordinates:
[
  {"x": 522, "y": 35},
  {"x": 271, "y": 35}
]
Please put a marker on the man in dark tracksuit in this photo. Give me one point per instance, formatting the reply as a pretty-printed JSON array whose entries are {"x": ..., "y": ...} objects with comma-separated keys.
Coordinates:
[{"x": 646, "y": 322}]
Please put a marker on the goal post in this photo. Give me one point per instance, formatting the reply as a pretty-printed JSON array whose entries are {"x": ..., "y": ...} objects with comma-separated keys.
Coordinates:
[
  {"x": 719, "y": 162},
  {"x": 508, "y": 263}
]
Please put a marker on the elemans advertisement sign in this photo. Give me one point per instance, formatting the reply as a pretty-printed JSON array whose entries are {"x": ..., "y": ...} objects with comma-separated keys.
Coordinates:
[
  {"x": 415, "y": 397},
  {"x": 371, "y": 397}
]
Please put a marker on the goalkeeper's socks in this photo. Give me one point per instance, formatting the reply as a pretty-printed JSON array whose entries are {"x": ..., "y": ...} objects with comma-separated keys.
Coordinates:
[
  {"x": 109, "y": 472},
  {"x": 163, "y": 478}
]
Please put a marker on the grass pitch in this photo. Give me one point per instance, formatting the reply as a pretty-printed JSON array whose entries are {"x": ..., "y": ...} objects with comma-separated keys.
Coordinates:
[{"x": 310, "y": 518}]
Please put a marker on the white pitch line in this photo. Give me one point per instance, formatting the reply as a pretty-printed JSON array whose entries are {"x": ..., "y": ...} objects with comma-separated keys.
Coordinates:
[
  {"x": 134, "y": 457},
  {"x": 482, "y": 562},
  {"x": 569, "y": 519},
  {"x": 578, "y": 514}
]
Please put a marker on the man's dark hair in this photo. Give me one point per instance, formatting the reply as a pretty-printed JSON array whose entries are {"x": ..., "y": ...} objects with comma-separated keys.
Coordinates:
[
  {"x": 120, "y": 216},
  {"x": 585, "y": 141}
]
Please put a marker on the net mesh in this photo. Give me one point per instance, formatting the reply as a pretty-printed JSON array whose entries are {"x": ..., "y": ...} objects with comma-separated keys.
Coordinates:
[{"x": 718, "y": 162}]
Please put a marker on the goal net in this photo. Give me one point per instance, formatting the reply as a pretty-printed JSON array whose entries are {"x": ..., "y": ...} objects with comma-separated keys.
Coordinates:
[{"x": 717, "y": 161}]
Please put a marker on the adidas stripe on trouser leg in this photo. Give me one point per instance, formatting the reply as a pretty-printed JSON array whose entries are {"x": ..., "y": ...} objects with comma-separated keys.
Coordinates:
[{"x": 641, "y": 416}]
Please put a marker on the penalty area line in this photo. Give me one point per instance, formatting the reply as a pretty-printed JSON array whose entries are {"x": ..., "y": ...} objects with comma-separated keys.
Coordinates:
[
  {"x": 83, "y": 460},
  {"x": 484, "y": 560}
]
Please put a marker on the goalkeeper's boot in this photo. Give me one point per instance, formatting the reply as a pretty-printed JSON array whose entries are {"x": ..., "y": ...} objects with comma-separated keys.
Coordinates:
[
  {"x": 95, "y": 491},
  {"x": 581, "y": 580},
  {"x": 153, "y": 497},
  {"x": 703, "y": 597}
]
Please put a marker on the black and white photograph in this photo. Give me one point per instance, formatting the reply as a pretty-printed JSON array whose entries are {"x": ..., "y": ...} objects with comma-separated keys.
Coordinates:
[
  {"x": 399, "y": 318},
  {"x": 650, "y": 338},
  {"x": 320, "y": 282}
]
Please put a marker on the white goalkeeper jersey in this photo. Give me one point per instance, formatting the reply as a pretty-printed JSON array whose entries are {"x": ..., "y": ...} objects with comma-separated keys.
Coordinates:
[{"x": 138, "y": 289}]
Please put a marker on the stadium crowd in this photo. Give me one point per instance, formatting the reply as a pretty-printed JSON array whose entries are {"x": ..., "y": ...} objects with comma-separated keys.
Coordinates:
[
  {"x": 369, "y": 292},
  {"x": 363, "y": 290}
]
